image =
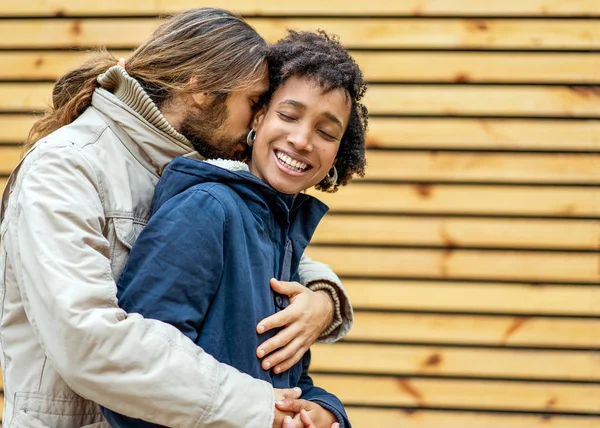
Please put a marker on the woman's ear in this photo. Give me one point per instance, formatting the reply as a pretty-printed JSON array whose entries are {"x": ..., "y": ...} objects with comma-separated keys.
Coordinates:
[{"x": 259, "y": 116}]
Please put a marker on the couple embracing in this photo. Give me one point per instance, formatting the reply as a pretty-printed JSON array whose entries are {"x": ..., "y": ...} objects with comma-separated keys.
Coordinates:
[{"x": 153, "y": 267}]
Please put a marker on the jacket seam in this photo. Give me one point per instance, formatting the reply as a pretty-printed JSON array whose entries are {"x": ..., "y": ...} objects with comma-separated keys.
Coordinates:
[
  {"x": 225, "y": 223},
  {"x": 28, "y": 165},
  {"x": 207, "y": 412},
  {"x": 127, "y": 215},
  {"x": 42, "y": 373},
  {"x": 95, "y": 138}
]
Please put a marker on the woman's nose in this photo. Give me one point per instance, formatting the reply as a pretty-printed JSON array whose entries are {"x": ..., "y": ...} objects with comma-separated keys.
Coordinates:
[{"x": 300, "y": 140}]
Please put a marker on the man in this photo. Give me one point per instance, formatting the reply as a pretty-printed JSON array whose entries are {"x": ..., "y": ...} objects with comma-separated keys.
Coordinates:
[{"x": 75, "y": 205}]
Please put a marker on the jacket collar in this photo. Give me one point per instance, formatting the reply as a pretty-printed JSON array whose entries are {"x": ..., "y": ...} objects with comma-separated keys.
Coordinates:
[
  {"x": 138, "y": 122},
  {"x": 261, "y": 198}
]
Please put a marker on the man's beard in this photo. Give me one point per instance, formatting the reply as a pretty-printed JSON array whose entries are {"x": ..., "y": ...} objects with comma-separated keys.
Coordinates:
[{"x": 201, "y": 126}]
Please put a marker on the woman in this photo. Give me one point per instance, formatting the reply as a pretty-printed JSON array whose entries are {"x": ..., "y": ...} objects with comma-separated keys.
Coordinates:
[{"x": 221, "y": 229}]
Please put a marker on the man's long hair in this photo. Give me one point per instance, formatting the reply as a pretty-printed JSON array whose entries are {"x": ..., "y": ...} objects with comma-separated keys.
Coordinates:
[{"x": 214, "y": 48}]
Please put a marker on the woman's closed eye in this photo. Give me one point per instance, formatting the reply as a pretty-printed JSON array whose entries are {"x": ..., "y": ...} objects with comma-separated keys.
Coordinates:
[
  {"x": 328, "y": 136},
  {"x": 286, "y": 117}
]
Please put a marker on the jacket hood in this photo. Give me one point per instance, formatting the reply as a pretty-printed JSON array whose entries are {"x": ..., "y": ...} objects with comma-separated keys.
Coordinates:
[{"x": 184, "y": 173}]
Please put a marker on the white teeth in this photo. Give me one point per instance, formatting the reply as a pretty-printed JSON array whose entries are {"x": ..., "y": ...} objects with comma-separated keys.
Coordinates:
[{"x": 291, "y": 163}]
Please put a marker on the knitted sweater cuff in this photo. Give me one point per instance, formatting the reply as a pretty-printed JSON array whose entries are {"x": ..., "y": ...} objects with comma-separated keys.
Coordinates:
[{"x": 337, "y": 315}]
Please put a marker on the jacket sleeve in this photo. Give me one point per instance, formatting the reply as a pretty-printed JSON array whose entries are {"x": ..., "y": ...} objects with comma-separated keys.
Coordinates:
[
  {"x": 174, "y": 270},
  {"x": 318, "y": 395},
  {"x": 319, "y": 276},
  {"x": 136, "y": 366}
]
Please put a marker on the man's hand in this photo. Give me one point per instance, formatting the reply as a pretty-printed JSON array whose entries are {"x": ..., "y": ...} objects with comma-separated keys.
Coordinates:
[
  {"x": 307, "y": 316},
  {"x": 315, "y": 415},
  {"x": 281, "y": 395}
]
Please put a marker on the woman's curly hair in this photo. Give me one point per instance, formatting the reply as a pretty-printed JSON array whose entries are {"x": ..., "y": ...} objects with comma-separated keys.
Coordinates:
[{"x": 320, "y": 56}]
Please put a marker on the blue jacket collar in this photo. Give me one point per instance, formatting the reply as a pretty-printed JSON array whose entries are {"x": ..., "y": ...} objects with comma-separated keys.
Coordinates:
[{"x": 184, "y": 173}]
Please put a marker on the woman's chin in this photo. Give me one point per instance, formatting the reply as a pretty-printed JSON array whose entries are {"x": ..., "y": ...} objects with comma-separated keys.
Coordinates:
[{"x": 286, "y": 186}]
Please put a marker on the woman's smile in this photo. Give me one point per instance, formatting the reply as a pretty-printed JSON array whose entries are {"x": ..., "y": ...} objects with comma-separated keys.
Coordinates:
[{"x": 291, "y": 163}]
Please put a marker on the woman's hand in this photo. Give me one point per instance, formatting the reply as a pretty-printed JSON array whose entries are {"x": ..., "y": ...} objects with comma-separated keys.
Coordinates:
[
  {"x": 307, "y": 414},
  {"x": 307, "y": 316}
]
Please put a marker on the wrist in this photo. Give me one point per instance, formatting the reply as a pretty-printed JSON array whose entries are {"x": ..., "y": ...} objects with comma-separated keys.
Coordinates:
[
  {"x": 328, "y": 304},
  {"x": 333, "y": 297}
]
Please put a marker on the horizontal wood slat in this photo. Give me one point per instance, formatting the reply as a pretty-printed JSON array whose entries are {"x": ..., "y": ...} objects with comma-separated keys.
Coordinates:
[
  {"x": 458, "y": 232},
  {"x": 488, "y": 134},
  {"x": 417, "y": 67},
  {"x": 311, "y": 7},
  {"x": 482, "y": 167},
  {"x": 15, "y": 127},
  {"x": 420, "y": 418},
  {"x": 9, "y": 157},
  {"x": 476, "y": 330},
  {"x": 471, "y": 264},
  {"x": 403, "y": 100},
  {"x": 476, "y": 297},
  {"x": 483, "y": 100},
  {"x": 354, "y": 33},
  {"x": 425, "y": 133},
  {"x": 461, "y": 199},
  {"x": 25, "y": 97},
  {"x": 449, "y": 361},
  {"x": 462, "y": 394},
  {"x": 477, "y": 67}
]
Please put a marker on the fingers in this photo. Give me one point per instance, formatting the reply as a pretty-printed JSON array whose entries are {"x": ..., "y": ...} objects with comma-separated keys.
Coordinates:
[
  {"x": 121, "y": 62},
  {"x": 280, "y": 319},
  {"x": 285, "y": 357},
  {"x": 280, "y": 341},
  {"x": 288, "y": 422},
  {"x": 288, "y": 288},
  {"x": 335, "y": 425},
  {"x": 289, "y": 393},
  {"x": 293, "y": 405},
  {"x": 308, "y": 423}
]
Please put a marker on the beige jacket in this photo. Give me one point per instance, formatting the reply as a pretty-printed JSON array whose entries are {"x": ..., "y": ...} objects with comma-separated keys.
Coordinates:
[{"x": 70, "y": 214}]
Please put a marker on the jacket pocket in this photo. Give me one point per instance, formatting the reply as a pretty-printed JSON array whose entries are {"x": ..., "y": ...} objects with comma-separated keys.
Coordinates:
[
  {"x": 33, "y": 410},
  {"x": 122, "y": 234}
]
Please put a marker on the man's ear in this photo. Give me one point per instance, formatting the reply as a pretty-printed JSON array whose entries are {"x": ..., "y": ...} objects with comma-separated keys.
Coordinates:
[{"x": 200, "y": 98}]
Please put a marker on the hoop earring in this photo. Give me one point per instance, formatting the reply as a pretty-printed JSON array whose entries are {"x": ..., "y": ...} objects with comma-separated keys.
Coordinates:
[
  {"x": 251, "y": 137},
  {"x": 332, "y": 178}
]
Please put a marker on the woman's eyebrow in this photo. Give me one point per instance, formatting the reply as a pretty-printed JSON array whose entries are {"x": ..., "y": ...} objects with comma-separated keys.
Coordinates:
[{"x": 293, "y": 103}]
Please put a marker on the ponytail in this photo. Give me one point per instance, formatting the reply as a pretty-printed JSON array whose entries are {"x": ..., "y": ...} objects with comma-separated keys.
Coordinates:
[{"x": 72, "y": 94}]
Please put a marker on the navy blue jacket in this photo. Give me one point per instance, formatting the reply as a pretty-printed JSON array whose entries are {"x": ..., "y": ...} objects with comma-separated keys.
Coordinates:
[{"x": 204, "y": 261}]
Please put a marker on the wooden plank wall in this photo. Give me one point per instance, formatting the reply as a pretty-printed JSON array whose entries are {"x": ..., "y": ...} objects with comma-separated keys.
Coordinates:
[{"x": 472, "y": 249}]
